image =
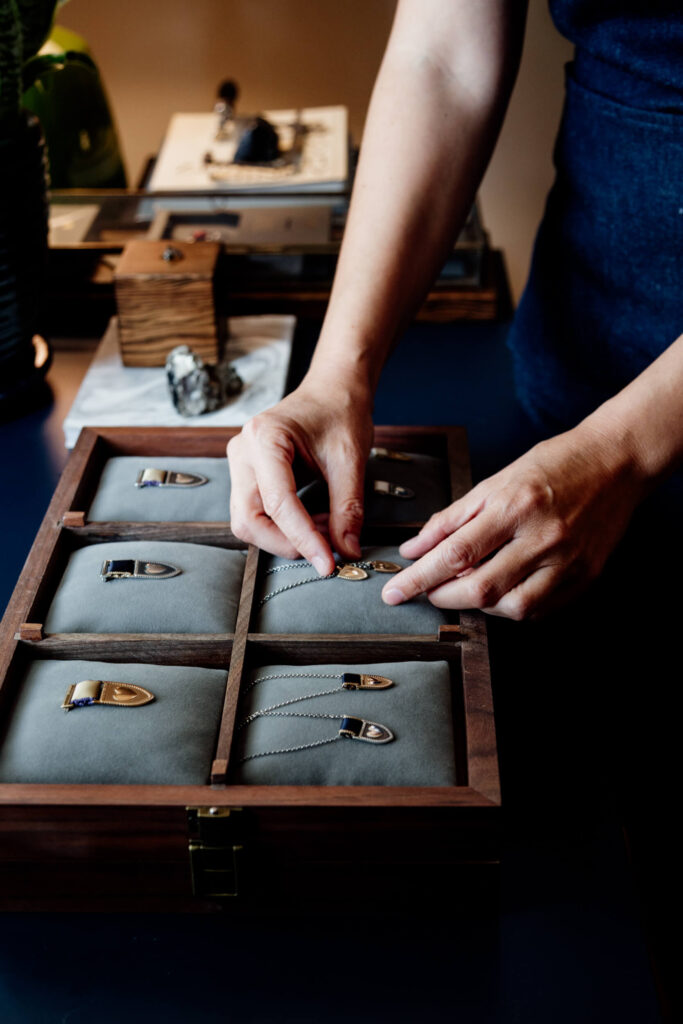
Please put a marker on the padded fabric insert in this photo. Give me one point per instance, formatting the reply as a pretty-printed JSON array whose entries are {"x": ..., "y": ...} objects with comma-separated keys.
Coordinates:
[
  {"x": 426, "y": 475},
  {"x": 338, "y": 605},
  {"x": 417, "y": 709},
  {"x": 202, "y": 599},
  {"x": 117, "y": 498},
  {"x": 170, "y": 741}
]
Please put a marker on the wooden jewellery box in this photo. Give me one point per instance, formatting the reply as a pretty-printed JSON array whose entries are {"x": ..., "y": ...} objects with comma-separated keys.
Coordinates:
[{"x": 149, "y": 806}]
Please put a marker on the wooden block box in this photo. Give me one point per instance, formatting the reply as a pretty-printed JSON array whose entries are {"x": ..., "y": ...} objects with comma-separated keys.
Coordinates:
[
  {"x": 163, "y": 302},
  {"x": 203, "y": 847}
]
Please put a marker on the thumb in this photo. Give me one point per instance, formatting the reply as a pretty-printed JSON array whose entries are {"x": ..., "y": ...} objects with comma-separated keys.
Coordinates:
[{"x": 346, "y": 482}]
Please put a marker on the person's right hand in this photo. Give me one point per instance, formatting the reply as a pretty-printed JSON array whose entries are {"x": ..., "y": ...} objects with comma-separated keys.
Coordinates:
[{"x": 330, "y": 426}]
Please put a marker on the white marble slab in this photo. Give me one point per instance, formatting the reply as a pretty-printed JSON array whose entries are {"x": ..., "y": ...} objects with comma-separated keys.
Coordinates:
[{"x": 114, "y": 395}]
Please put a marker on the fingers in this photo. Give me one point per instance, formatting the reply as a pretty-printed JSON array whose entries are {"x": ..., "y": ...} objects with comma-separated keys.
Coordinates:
[
  {"x": 248, "y": 521},
  {"x": 346, "y": 482},
  {"x": 265, "y": 509},
  {"x": 495, "y": 586},
  {"x": 452, "y": 556},
  {"x": 442, "y": 525}
]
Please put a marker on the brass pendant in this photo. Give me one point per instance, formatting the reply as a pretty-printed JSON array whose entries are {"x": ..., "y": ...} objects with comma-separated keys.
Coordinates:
[
  {"x": 104, "y": 691},
  {"x": 351, "y": 572},
  {"x": 362, "y": 681},
  {"x": 389, "y": 453},
  {"x": 386, "y": 566}
]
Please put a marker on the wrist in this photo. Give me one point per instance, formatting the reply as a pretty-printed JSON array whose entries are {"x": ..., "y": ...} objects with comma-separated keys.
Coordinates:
[
  {"x": 340, "y": 382},
  {"x": 609, "y": 437}
]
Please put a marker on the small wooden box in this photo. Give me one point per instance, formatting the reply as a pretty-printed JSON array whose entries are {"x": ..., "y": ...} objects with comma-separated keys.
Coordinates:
[
  {"x": 167, "y": 302},
  {"x": 163, "y": 847}
]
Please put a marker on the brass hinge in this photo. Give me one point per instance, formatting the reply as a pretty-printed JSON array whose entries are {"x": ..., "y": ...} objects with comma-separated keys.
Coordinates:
[{"x": 216, "y": 851}]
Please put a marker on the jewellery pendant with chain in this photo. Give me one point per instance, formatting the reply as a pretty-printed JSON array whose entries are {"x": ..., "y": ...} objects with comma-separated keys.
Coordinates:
[
  {"x": 349, "y": 681},
  {"x": 354, "y": 571}
]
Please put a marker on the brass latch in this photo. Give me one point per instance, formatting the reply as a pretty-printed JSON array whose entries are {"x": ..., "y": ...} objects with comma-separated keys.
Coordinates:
[{"x": 216, "y": 850}]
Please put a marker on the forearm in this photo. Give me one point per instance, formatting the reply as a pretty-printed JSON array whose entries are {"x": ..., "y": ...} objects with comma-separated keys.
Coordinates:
[
  {"x": 432, "y": 124},
  {"x": 643, "y": 424}
]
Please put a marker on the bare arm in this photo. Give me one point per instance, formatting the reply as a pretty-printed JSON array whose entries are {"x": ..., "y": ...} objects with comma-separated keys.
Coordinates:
[{"x": 435, "y": 114}]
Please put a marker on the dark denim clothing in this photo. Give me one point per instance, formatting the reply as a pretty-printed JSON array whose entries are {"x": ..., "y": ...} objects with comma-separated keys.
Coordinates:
[
  {"x": 605, "y": 290},
  {"x": 641, "y": 38}
]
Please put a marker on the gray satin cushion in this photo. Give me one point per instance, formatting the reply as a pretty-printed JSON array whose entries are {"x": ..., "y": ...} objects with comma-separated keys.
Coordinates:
[
  {"x": 117, "y": 498},
  {"x": 337, "y": 605},
  {"x": 426, "y": 475},
  {"x": 203, "y": 599},
  {"x": 417, "y": 709},
  {"x": 170, "y": 741}
]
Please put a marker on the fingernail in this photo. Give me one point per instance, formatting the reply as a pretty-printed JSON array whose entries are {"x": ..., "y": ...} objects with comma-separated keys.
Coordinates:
[
  {"x": 320, "y": 564},
  {"x": 352, "y": 541},
  {"x": 393, "y": 596}
]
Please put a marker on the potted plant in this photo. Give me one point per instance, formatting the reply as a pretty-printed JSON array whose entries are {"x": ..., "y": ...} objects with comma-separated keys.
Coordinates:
[{"x": 24, "y": 24}]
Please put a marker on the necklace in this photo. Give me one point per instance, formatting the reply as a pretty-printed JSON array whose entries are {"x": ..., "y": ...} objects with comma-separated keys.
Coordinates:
[
  {"x": 348, "y": 680},
  {"x": 354, "y": 571},
  {"x": 350, "y": 727}
]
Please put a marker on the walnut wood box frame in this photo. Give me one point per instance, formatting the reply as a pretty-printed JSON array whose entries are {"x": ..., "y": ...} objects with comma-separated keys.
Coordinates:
[{"x": 125, "y": 847}]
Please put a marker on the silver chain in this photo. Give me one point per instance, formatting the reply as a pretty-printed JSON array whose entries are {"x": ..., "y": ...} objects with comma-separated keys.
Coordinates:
[
  {"x": 301, "y": 583},
  {"x": 303, "y": 564},
  {"x": 291, "y": 675},
  {"x": 285, "y": 703},
  {"x": 292, "y": 700},
  {"x": 303, "y": 746}
]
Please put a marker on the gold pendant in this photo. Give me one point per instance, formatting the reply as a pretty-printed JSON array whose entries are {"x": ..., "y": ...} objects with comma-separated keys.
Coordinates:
[
  {"x": 386, "y": 566},
  {"x": 361, "y": 681},
  {"x": 351, "y": 572},
  {"x": 389, "y": 453}
]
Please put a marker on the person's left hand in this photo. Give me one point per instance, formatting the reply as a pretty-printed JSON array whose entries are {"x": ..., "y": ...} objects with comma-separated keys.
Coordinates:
[{"x": 531, "y": 537}]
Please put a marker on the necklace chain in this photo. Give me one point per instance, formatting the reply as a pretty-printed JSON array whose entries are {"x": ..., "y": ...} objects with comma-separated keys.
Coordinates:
[
  {"x": 302, "y": 746},
  {"x": 272, "y": 711},
  {"x": 361, "y": 564}
]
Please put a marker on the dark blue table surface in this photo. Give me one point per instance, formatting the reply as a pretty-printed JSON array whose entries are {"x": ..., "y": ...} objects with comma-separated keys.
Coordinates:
[{"x": 566, "y": 948}]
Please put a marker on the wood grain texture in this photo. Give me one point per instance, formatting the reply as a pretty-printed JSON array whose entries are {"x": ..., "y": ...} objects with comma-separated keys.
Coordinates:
[
  {"x": 73, "y": 519},
  {"x": 482, "y": 754},
  {"x": 22, "y": 796},
  {"x": 303, "y": 648},
  {"x": 225, "y": 733},
  {"x": 208, "y": 650},
  {"x": 215, "y": 534},
  {"x": 185, "y": 441},
  {"x": 31, "y": 631},
  {"x": 162, "y": 303},
  {"x": 458, "y": 462}
]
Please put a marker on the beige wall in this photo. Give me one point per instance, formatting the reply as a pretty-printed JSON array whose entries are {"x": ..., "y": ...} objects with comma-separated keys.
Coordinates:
[{"x": 161, "y": 56}]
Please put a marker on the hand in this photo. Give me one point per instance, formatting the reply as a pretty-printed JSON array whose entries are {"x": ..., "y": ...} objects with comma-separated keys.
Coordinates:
[
  {"x": 531, "y": 537},
  {"x": 329, "y": 424}
]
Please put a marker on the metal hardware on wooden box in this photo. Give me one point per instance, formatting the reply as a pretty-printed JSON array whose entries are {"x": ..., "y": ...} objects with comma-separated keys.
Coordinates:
[{"x": 216, "y": 850}]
